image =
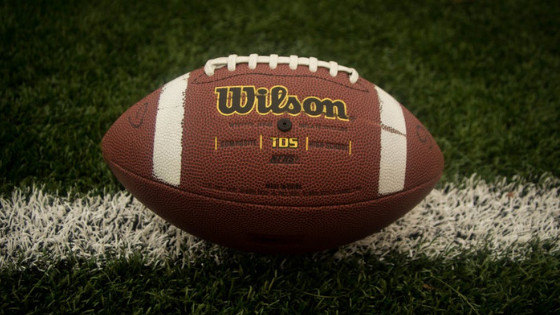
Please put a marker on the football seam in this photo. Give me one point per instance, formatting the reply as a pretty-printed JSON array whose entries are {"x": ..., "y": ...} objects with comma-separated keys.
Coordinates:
[
  {"x": 362, "y": 89},
  {"x": 435, "y": 180},
  {"x": 391, "y": 129}
]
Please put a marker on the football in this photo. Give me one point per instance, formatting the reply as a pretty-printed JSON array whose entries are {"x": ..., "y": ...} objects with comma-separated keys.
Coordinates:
[{"x": 273, "y": 154}]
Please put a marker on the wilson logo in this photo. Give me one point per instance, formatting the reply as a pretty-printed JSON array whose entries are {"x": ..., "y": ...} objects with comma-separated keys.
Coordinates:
[{"x": 242, "y": 100}]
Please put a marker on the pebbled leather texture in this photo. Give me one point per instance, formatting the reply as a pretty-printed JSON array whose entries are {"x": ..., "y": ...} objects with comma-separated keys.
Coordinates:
[{"x": 240, "y": 187}]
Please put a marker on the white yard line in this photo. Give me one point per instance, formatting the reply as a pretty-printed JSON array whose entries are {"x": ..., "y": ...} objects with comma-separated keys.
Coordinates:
[{"x": 502, "y": 217}]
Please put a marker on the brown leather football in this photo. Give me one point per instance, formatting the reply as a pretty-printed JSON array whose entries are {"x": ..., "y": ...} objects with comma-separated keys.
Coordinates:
[{"x": 274, "y": 154}]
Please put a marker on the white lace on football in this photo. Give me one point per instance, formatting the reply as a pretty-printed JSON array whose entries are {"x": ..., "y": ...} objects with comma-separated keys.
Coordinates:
[{"x": 274, "y": 60}]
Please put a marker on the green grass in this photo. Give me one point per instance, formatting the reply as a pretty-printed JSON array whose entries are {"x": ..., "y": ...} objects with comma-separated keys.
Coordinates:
[
  {"x": 246, "y": 283},
  {"x": 482, "y": 75}
]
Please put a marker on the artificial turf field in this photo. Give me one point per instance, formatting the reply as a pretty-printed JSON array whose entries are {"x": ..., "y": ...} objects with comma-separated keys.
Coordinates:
[{"x": 483, "y": 77}]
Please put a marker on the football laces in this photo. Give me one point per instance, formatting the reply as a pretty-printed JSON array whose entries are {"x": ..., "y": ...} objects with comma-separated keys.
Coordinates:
[{"x": 274, "y": 60}]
